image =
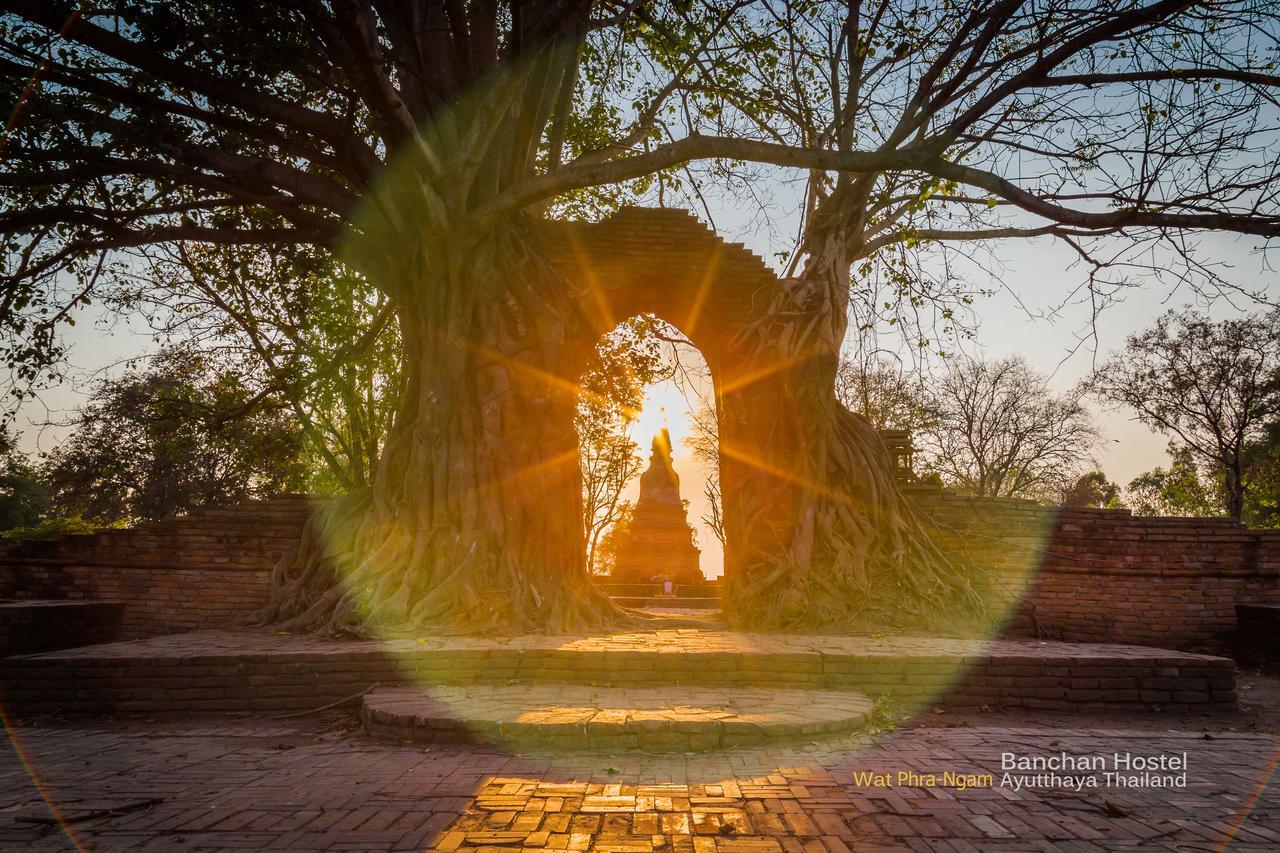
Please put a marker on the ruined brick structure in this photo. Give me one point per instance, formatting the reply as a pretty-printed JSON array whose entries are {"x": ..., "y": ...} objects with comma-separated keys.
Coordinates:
[
  {"x": 665, "y": 263},
  {"x": 659, "y": 540},
  {"x": 1093, "y": 575}
]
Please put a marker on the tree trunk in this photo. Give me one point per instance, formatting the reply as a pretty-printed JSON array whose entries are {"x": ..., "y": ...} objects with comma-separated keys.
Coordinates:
[
  {"x": 1234, "y": 486},
  {"x": 474, "y": 519},
  {"x": 819, "y": 533}
]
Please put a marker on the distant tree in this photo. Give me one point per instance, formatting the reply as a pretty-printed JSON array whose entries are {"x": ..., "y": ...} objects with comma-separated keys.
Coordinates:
[
  {"x": 1182, "y": 489},
  {"x": 627, "y": 360},
  {"x": 304, "y": 333},
  {"x": 178, "y": 435},
  {"x": 23, "y": 496},
  {"x": 1191, "y": 487},
  {"x": 1262, "y": 478},
  {"x": 1001, "y": 432},
  {"x": 1209, "y": 386},
  {"x": 883, "y": 393},
  {"x": 1092, "y": 491},
  {"x": 704, "y": 442},
  {"x": 606, "y": 556}
]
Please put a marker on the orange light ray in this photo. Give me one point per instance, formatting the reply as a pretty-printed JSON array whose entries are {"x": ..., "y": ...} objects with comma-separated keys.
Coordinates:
[
  {"x": 700, "y": 295},
  {"x": 784, "y": 474},
  {"x": 1252, "y": 800},
  {"x": 567, "y": 457},
  {"x": 606, "y": 312},
  {"x": 544, "y": 376},
  {"x": 742, "y": 380}
]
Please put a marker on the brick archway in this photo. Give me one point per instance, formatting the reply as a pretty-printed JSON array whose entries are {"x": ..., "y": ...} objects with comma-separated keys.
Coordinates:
[
  {"x": 663, "y": 262},
  {"x": 666, "y": 263}
]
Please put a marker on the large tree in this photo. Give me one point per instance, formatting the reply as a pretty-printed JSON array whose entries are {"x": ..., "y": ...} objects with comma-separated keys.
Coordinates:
[
  {"x": 1212, "y": 387},
  {"x": 418, "y": 139}
]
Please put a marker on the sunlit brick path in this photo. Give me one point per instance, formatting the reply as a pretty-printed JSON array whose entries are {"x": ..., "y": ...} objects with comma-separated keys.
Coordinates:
[{"x": 315, "y": 785}]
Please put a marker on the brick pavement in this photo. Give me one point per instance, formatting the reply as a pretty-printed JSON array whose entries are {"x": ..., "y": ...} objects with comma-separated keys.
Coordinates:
[{"x": 314, "y": 784}]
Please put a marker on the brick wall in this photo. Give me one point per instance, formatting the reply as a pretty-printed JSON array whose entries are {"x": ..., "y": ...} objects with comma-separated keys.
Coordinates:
[
  {"x": 1107, "y": 576},
  {"x": 208, "y": 569},
  {"x": 1083, "y": 575}
]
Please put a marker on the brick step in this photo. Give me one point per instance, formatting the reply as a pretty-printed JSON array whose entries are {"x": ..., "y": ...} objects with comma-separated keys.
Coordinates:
[
  {"x": 684, "y": 719},
  {"x": 40, "y": 624},
  {"x": 256, "y": 670},
  {"x": 667, "y": 603}
]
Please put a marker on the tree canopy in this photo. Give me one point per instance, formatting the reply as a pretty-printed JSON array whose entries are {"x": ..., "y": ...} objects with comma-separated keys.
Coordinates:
[
  {"x": 23, "y": 497},
  {"x": 1001, "y": 432},
  {"x": 1092, "y": 491},
  {"x": 917, "y": 123},
  {"x": 161, "y": 441},
  {"x": 1179, "y": 490}
]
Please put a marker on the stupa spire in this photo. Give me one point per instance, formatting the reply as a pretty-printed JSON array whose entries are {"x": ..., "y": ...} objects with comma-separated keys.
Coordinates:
[{"x": 659, "y": 541}]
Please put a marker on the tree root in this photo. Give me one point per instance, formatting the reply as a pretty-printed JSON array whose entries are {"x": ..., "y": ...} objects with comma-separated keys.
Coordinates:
[
  {"x": 874, "y": 564},
  {"x": 352, "y": 576}
]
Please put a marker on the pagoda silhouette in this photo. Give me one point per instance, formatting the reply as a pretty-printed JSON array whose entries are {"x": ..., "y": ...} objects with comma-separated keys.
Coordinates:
[{"x": 658, "y": 544}]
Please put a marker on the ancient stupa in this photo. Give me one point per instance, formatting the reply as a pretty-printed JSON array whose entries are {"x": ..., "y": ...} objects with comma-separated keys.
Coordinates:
[{"x": 659, "y": 542}]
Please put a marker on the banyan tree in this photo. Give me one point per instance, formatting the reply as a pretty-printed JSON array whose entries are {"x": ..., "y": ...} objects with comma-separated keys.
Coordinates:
[{"x": 437, "y": 148}]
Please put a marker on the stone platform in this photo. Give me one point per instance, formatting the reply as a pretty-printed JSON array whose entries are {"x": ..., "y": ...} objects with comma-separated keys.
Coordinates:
[
  {"x": 259, "y": 671},
  {"x": 1257, "y": 640},
  {"x": 572, "y": 716},
  {"x": 42, "y": 624},
  {"x": 242, "y": 784}
]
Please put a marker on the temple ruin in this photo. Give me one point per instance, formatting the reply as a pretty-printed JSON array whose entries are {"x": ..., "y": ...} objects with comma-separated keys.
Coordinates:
[{"x": 658, "y": 544}]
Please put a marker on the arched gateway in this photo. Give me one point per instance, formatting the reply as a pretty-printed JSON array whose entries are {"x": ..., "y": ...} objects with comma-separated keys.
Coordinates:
[{"x": 771, "y": 382}]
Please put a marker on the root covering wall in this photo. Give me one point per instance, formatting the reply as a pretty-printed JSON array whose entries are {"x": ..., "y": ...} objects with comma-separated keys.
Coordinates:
[{"x": 1082, "y": 575}]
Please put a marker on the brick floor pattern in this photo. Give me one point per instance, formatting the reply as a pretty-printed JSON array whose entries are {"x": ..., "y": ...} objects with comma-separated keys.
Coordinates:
[{"x": 236, "y": 784}]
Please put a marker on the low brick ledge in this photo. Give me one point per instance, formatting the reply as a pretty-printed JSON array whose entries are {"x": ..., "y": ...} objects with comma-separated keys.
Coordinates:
[
  {"x": 257, "y": 671},
  {"x": 1257, "y": 639},
  {"x": 654, "y": 719},
  {"x": 36, "y": 625}
]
